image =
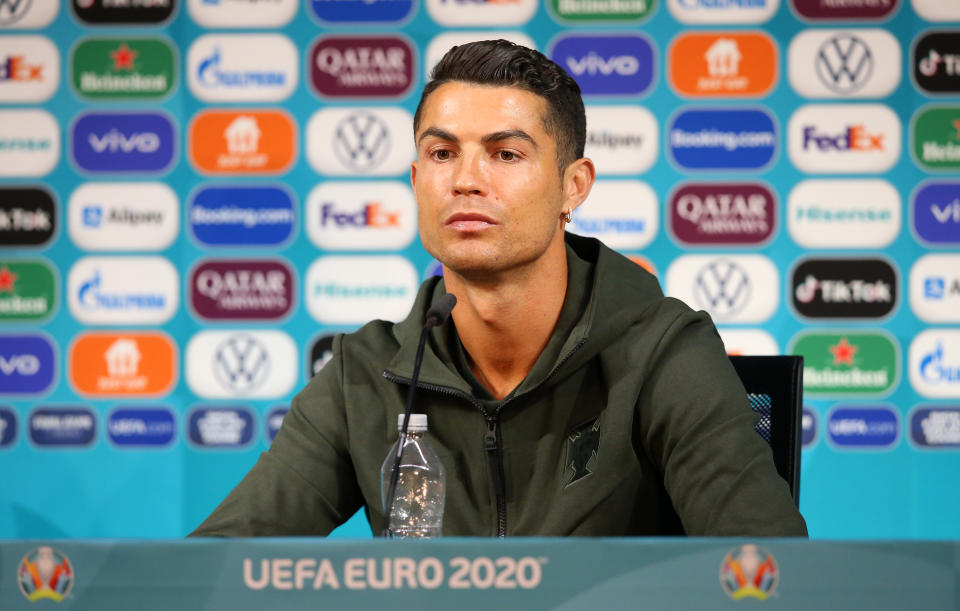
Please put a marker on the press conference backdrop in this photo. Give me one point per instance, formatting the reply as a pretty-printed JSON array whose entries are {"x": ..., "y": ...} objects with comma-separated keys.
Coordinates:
[{"x": 196, "y": 194}]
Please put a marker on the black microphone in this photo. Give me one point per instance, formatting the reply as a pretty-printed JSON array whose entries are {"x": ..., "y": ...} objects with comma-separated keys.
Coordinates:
[{"x": 435, "y": 316}]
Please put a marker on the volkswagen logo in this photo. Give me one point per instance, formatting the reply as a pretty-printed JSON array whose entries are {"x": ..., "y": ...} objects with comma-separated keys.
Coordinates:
[
  {"x": 361, "y": 141},
  {"x": 241, "y": 364},
  {"x": 723, "y": 288},
  {"x": 844, "y": 63},
  {"x": 12, "y": 10}
]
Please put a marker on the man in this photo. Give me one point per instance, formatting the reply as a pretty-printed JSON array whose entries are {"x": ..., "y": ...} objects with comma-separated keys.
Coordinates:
[{"x": 566, "y": 396}]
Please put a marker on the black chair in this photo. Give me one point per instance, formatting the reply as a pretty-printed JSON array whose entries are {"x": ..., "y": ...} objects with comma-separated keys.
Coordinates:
[{"x": 775, "y": 388}]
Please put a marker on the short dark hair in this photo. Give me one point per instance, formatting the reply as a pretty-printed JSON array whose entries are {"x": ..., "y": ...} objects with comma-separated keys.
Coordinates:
[{"x": 503, "y": 63}]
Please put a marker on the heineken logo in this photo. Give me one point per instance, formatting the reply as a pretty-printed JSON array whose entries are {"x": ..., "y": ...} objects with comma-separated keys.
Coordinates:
[
  {"x": 123, "y": 68},
  {"x": 27, "y": 290},
  {"x": 936, "y": 138},
  {"x": 601, "y": 10},
  {"x": 847, "y": 363}
]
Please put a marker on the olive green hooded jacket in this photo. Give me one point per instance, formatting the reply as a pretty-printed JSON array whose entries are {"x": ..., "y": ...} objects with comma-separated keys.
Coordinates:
[{"x": 631, "y": 422}]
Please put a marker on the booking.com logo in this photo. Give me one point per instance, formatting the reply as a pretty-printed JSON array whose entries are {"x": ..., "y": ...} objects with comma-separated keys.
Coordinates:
[{"x": 727, "y": 139}]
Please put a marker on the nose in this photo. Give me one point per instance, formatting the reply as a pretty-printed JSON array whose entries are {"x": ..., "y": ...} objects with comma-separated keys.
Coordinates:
[{"x": 469, "y": 176}]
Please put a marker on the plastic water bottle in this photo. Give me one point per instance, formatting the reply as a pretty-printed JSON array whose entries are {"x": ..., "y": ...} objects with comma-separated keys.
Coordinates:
[{"x": 421, "y": 485}]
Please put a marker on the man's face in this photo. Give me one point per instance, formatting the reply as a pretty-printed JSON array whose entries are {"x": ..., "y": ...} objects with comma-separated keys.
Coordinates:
[{"x": 489, "y": 194}]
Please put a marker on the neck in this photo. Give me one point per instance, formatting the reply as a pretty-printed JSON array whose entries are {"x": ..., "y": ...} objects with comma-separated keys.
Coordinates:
[{"x": 506, "y": 322}]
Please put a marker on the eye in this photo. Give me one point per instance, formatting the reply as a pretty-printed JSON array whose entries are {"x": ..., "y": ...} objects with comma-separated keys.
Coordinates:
[
  {"x": 441, "y": 155},
  {"x": 507, "y": 155}
]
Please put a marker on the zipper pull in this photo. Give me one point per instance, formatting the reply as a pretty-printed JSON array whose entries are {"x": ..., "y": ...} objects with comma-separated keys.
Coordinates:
[{"x": 490, "y": 437}]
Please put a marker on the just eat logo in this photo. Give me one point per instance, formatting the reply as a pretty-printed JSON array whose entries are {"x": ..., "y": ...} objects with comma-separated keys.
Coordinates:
[{"x": 853, "y": 138}]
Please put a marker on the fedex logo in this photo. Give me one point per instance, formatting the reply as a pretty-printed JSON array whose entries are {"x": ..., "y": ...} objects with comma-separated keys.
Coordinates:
[
  {"x": 15, "y": 68},
  {"x": 854, "y": 138},
  {"x": 372, "y": 214}
]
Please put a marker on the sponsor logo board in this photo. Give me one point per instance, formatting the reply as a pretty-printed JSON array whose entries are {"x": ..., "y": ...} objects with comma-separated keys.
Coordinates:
[
  {"x": 275, "y": 421},
  {"x": 441, "y": 43},
  {"x": 936, "y": 62},
  {"x": 123, "y": 68},
  {"x": 221, "y": 427},
  {"x": 808, "y": 428},
  {"x": 253, "y": 364},
  {"x": 607, "y": 65},
  {"x": 141, "y": 427},
  {"x": 374, "y": 12},
  {"x": 863, "y": 427},
  {"x": 935, "y": 427},
  {"x": 29, "y": 143},
  {"x": 242, "y": 289},
  {"x": 936, "y": 138},
  {"x": 361, "y": 216},
  {"x": 621, "y": 139},
  {"x": 937, "y": 10},
  {"x": 722, "y": 11},
  {"x": 242, "y": 67},
  {"x": 242, "y": 216},
  {"x": 123, "y": 216},
  {"x": 360, "y": 141},
  {"x": 27, "y": 14},
  {"x": 127, "y": 364},
  {"x": 242, "y": 13},
  {"x": 29, "y": 69},
  {"x": 473, "y": 13},
  {"x": 818, "y": 10},
  {"x": 844, "y": 288},
  {"x": 723, "y": 213},
  {"x": 362, "y": 66},
  {"x": 343, "y": 290},
  {"x": 847, "y": 363},
  {"x": 859, "y": 213},
  {"x": 62, "y": 426},
  {"x": 731, "y": 288},
  {"x": 844, "y": 138},
  {"x": 936, "y": 213},
  {"x": 242, "y": 142},
  {"x": 321, "y": 351},
  {"x": 861, "y": 63},
  {"x": 748, "y": 342},
  {"x": 592, "y": 11},
  {"x": 115, "y": 143},
  {"x": 935, "y": 288},
  {"x": 123, "y": 290},
  {"x": 28, "y": 216},
  {"x": 624, "y": 214},
  {"x": 28, "y": 290},
  {"x": 28, "y": 364},
  {"x": 123, "y": 11},
  {"x": 8, "y": 427},
  {"x": 722, "y": 64},
  {"x": 934, "y": 363},
  {"x": 722, "y": 139}
]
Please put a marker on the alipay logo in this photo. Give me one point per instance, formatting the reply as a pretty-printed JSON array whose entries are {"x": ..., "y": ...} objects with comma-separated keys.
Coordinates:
[
  {"x": 68, "y": 426},
  {"x": 733, "y": 289},
  {"x": 857, "y": 213},
  {"x": 361, "y": 216},
  {"x": 123, "y": 290},
  {"x": 844, "y": 138},
  {"x": 935, "y": 288},
  {"x": 27, "y": 14},
  {"x": 123, "y": 216},
  {"x": 136, "y": 427},
  {"x": 29, "y": 143},
  {"x": 123, "y": 142},
  {"x": 722, "y": 139},
  {"x": 935, "y": 427},
  {"x": 621, "y": 139},
  {"x": 862, "y": 63},
  {"x": 861, "y": 427},
  {"x": 936, "y": 213},
  {"x": 242, "y": 216},
  {"x": 27, "y": 364},
  {"x": 251, "y": 364},
  {"x": 221, "y": 427},
  {"x": 360, "y": 141},
  {"x": 242, "y": 67},
  {"x": 354, "y": 290},
  {"x": 722, "y": 11},
  {"x": 620, "y": 65},
  {"x": 935, "y": 363},
  {"x": 622, "y": 213}
]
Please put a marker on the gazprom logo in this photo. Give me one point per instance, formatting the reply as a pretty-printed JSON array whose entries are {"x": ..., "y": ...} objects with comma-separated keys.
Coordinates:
[
  {"x": 862, "y": 427},
  {"x": 722, "y": 139},
  {"x": 242, "y": 216},
  {"x": 614, "y": 65}
]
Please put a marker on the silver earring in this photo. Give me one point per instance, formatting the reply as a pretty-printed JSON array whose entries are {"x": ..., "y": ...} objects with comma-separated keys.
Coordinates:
[{"x": 567, "y": 216}]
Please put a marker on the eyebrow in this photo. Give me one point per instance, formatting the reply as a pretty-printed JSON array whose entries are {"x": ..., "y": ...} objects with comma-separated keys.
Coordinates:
[{"x": 436, "y": 132}]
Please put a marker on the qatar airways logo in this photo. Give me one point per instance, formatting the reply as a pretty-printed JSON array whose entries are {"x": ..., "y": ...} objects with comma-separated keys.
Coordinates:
[
  {"x": 351, "y": 66},
  {"x": 723, "y": 213}
]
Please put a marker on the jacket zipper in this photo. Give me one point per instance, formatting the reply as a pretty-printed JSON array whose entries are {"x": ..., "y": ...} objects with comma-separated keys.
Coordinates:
[{"x": 492, "y": 442}]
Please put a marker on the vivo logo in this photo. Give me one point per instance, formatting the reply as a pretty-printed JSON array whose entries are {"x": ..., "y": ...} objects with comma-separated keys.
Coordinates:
[
  {"x": 607, "y": 65},
  {"x": 123, "y": 142},
  {"x": 594, "y": 64},
  {"x": 936, "y": 213},
  {"x": 116, "y": 141},
  {"x": 27, "y": 364},
  {"x": 21, "y": 364}
]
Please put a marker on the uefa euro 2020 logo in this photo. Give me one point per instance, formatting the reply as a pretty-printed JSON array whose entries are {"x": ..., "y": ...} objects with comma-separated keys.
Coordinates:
[
  {"x": 45, "y": 573},
  {"x": 749, "y": 571}
]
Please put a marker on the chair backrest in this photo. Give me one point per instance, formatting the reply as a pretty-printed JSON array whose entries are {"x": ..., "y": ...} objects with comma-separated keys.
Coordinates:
[{"x": 775, "y": 388}]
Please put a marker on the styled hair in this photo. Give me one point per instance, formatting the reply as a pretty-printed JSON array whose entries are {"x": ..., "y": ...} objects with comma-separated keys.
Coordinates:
[{"x": 501, "y": 63}]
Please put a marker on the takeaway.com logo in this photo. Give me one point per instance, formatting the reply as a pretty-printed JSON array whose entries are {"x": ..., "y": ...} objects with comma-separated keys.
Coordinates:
[
  {"x": 722, "y": 64},
  {"x": 242, "y": 141},
  {"x": 844, "y": 138}
]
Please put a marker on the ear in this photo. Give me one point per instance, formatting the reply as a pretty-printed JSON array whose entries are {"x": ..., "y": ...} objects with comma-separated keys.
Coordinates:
[
  {"x": 578, "y": 179},
  {"x": 413, "y": 176}
]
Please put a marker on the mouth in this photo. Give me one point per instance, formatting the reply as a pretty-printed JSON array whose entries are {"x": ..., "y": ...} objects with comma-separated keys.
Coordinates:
[{"x": 469, "y": 221}]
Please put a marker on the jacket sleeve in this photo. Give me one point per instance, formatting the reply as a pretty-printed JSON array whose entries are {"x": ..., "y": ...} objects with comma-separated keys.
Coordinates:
[
  {"x": 305, "y": 484},
  {"x": 697, "y": 426}
]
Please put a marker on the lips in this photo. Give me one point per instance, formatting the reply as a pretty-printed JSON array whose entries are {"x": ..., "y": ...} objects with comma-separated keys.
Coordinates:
[{"x": 469, "y": 221}]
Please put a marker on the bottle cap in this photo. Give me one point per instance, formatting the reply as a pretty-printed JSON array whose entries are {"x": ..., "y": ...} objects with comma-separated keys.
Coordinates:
[{"x": 418, "y": 423}]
